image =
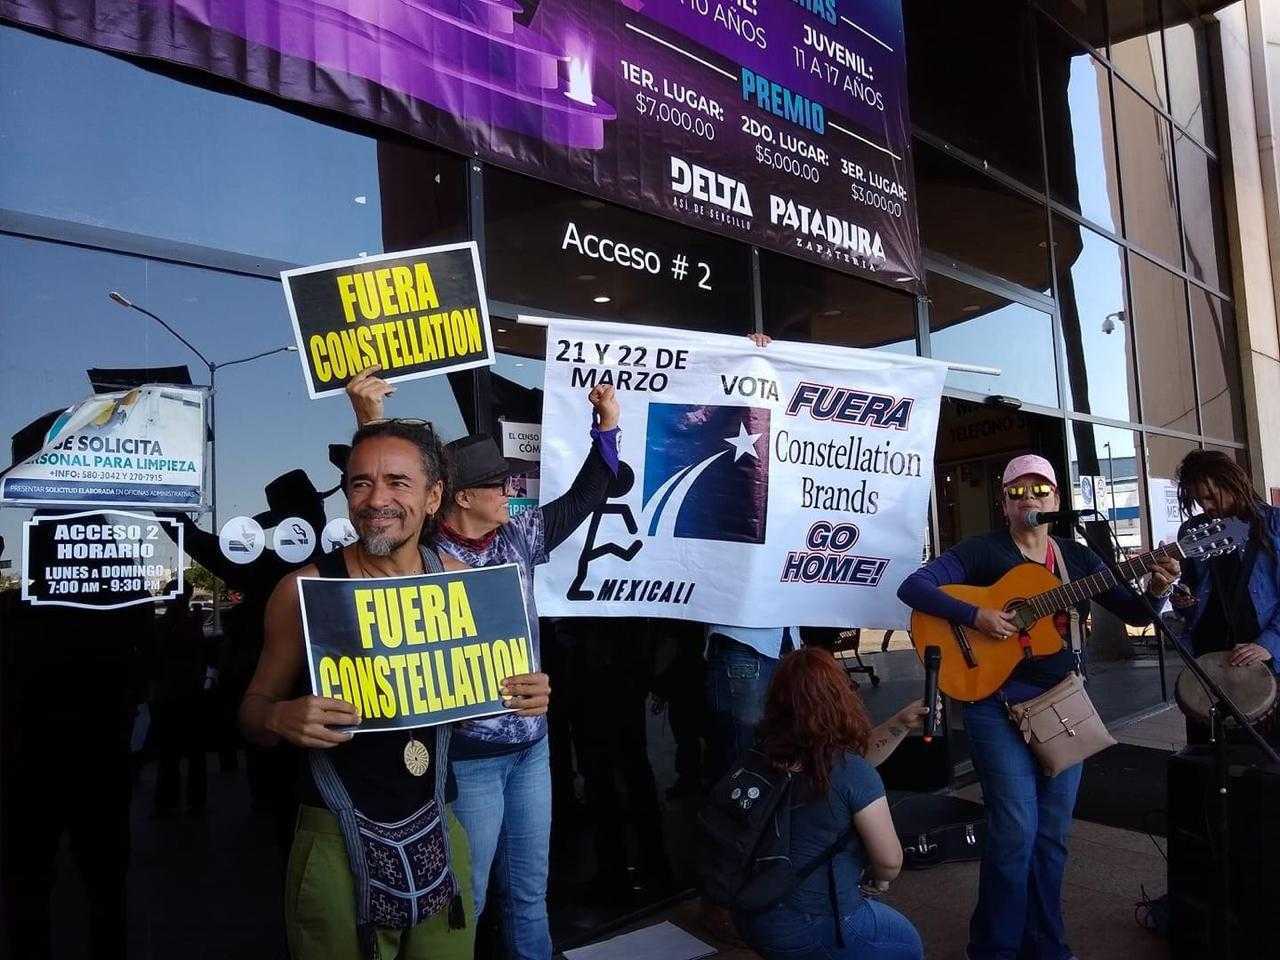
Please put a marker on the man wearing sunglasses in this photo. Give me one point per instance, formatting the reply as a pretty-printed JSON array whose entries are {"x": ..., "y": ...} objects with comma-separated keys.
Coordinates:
[
  {"x": 1019, "y": 910},
  {"x": 502, "y": 764}
]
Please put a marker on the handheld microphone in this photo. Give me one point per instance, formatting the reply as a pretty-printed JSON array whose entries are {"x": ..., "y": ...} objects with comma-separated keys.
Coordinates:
[
  {"x": 1035, "y": 518},
  {"x": 932, "y": 661}
]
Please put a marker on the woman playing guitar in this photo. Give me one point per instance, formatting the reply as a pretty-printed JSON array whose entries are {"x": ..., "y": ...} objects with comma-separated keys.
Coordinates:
[{"x": 1019, "y": 911}]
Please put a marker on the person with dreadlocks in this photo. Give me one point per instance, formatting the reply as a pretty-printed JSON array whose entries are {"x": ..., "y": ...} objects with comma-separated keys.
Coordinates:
[{"x": 1232, "y": 601}]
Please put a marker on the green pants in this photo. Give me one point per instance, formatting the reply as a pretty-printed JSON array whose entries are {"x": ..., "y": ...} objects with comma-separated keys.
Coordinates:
[{"x": 320, "y": 905}]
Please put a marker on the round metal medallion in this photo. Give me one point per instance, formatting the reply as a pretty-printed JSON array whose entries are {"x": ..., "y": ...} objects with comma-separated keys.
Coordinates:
[{"x": 416, "y": 757}]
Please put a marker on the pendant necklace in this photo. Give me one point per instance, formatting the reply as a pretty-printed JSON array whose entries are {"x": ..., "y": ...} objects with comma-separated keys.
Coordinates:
[{"x": 416, "y": 756}]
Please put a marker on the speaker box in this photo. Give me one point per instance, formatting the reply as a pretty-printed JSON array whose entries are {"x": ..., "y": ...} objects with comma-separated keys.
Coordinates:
[{"x": 1253, "y": 845}]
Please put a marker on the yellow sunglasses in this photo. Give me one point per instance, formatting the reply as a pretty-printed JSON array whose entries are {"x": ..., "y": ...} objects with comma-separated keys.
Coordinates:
[{"x": 1020, "y": 490}]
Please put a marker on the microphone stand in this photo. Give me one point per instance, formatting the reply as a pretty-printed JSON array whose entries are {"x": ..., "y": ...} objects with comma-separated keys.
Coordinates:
[{"x": 1223, "y": 706}]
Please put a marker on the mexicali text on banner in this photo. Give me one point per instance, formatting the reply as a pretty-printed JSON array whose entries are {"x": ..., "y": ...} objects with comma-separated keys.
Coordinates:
[
  {"x": 137, "y": 448},
  {"x": 101, "y": 560},
  {"x": 416, "y": 313},
  {"x": 417, "y": 651},
  {"x": 759, "y": 487}
]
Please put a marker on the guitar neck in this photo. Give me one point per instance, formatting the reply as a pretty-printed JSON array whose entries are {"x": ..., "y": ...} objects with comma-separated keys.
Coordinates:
[{"x": 1077, "y": 591}]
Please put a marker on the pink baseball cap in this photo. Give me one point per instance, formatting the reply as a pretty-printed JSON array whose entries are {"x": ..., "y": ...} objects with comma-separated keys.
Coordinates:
[{"x": 1029, "y": 463}]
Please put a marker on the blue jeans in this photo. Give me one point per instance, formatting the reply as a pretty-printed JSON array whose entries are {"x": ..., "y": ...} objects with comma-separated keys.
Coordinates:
[
  {"x": 504, "y": 804},
  {"x": 1019, "y": 912},
  {"x": 873, "y": 931},
  {"x": 737, "y": 680}
]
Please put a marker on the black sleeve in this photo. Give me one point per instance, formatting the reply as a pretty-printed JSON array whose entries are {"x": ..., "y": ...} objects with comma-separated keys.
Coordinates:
[
  {"x": 590, "y": 488},
  {"x": 1117, "y": 599}
]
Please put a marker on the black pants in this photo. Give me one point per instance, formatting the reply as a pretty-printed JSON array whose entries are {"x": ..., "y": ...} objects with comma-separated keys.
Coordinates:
[
  {"x": 611, "y": 670},
  {"x": 67, "y": 772},
  {"x": 683, "y": 685},
  {"x": 178, "y": 732}
]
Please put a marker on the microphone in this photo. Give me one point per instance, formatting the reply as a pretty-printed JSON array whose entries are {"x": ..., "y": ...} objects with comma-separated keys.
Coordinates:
[
  {"x": 1036, "y": 518},
  {"x": 932, "y": 661}
]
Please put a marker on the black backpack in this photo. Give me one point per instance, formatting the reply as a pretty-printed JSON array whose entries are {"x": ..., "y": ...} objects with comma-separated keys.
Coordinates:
[{"x": 745, "y": 858}]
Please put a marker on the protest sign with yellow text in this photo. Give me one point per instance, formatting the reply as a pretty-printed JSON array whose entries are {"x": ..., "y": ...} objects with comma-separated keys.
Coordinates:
[
  {"x": 415, "y": 313},
  {"x": 417, "y": 651}
]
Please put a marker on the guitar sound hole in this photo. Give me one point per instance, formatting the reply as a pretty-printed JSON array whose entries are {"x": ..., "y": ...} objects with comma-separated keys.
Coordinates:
[{"x": 1021, "y": 613}]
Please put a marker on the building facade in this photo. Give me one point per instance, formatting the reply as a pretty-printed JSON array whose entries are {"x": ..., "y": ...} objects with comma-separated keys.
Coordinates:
[{"x": 1096, "y": 186}]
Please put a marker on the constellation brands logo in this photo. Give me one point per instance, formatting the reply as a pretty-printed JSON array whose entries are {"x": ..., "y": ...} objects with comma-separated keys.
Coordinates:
[
  {"x": 729, "y": 194},
  {"x": 706, "y": 472}
]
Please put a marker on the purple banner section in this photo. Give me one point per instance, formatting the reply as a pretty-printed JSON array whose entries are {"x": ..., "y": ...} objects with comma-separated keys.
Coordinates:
[{"x": 781, "y": 123}]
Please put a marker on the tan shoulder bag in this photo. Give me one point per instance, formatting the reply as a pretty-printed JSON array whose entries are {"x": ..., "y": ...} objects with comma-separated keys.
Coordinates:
[{"x": 1062, "y": 726}]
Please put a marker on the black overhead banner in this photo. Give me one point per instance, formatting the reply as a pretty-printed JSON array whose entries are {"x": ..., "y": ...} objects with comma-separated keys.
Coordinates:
[{"x": 781, "y": 123}]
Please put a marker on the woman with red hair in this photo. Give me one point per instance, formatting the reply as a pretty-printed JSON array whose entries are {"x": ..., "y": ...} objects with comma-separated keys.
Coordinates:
[{"x": 816, "y": 727}]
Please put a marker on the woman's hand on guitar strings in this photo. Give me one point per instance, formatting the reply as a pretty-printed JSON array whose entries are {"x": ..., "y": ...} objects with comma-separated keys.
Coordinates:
[{"x": 995, "y": 623}]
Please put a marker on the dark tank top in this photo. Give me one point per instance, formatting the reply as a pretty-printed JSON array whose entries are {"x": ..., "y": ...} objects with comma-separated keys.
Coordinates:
[{"x": 371, "y": 765}]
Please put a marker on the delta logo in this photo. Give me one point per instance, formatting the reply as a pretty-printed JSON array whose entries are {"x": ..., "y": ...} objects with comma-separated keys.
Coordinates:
[
  {"x": 706, "y": 472},
  {"x": 709, "y": 186}
]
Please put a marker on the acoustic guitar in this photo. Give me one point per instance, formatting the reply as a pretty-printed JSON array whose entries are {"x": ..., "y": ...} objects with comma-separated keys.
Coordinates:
[{"x": 976, "y": 665}]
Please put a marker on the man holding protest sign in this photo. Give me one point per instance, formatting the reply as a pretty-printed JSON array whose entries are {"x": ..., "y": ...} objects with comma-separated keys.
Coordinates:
[
  {"x": 502, "y": 764},
  {"x": 374, "y": 784}
]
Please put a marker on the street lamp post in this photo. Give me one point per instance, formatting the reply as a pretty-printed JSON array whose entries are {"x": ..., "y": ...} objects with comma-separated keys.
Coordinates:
[
  {"x": 213, "y": 367},
  {"x": 1111, "y": 488}
]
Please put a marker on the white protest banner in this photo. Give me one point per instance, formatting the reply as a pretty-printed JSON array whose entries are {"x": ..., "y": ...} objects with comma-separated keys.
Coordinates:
[
  {"x": 137, "y": 448},
  {"x": 758, "y": 487}
]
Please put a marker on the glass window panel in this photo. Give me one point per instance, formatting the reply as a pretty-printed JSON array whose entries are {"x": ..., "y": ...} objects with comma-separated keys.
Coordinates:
[
  {"x": 1190, "y": 83},
  {"x": 1162, "y": 343},
  {"x": 1136, "y": 49},
  {"x": 266, "y": 425},
  {"x": 1096, "y": 342},
  {"x": 968, "y": 217},
  {"x": 803, "y": 301},
  {"x": 1217, "y": 351},
  {"x": 1203, "y": 219},
  {"x": 558, "y": 251},
  {"x": 515, "y": 382},
  {"x": 1239, "y": 454},
  {"x": 971, "y": 81},
  {"x": 976, "y": 441},
  {"x": 1124, "y": 675},
  {"x": 81, "y": 142},
  {"x": 975, "y": 326},
  {"x": 1076, "y": 89},
  {"x": 1146, "y": 176},
  {"x": 1110, "y": 453},
  {"x": 1164, "y": 454},
  {"x": 1086, "y": 19}
]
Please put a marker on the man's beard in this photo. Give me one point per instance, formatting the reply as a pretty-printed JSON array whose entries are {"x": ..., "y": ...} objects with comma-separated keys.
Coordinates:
[{"x": 379, "y": 544}]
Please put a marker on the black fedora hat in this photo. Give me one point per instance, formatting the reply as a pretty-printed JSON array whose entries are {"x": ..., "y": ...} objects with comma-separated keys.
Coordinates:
[
  {"x": 291, "y": 494},
  {"x": 477, "y": 462}
]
